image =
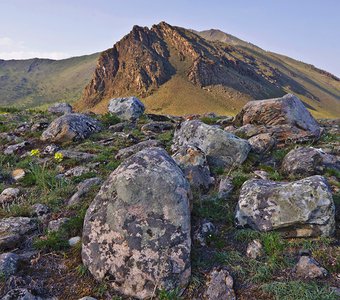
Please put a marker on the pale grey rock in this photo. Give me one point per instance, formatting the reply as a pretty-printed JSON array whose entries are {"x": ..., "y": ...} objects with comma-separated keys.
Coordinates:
[
  {"x": 13, "y": 149},
  {"x": 77, "y": 171},
  {"x": 309, "y": 161},
  {"x": 219, "y": 285},
  {"x": 74, "y": 241},
  {"x": 82, "y": 189},
  {"x": 127, "y": 152},
  {"x": 195, "y": 167},
  {"x": 51, "y": 149},
  {"x": 13, "y": 230},
  {"x": 71, "y": 127},
  {"x": 221, "y": 148},
  {"x": 60, "y": 108},
  {"x": 137, "y": 229},
  {"x": 128, "y": 109},
  {"x": 298, "y": 208},
  {"x": 77, "y": 155},
  {"x": 308, "y": 267},
  {"x": 40, "y": 210}
]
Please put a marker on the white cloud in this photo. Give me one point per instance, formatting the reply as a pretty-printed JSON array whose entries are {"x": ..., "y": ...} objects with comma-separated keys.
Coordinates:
[{"x": 10, "y": 49}]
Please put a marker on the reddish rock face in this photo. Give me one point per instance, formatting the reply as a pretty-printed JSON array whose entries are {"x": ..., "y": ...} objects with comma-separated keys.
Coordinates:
[{"x": 140, "y": 62}]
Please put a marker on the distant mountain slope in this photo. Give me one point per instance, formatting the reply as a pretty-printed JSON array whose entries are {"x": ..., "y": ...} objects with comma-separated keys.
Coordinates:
[
  {"x": 36, "y": 82},
  {"x": 178, "y": 71}
]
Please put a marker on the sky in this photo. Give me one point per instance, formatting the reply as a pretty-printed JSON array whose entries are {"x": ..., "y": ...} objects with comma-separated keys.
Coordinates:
[{"x": 307, "y": 30}]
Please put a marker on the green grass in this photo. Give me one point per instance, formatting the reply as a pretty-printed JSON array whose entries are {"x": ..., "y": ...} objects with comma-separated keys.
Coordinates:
[
  {"x": 169, "y": 295},
  {"x": 109, "y": 119},
  {"x": 298, "y": 290},
  {"x": 54, "y": 241}
]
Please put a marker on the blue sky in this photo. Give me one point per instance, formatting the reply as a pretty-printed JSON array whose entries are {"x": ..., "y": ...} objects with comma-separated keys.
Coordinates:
[{"x": 308, "y": 30}]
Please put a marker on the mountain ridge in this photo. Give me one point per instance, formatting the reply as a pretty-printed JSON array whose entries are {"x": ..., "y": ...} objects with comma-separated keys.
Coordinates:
[{"x": 173, "y": 70}]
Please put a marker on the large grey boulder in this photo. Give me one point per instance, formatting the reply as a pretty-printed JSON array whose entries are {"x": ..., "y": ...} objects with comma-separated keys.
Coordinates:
[
  {"x": 60, "y": 108},
  {"x": 71, "y": 127},
  {"x": 195, "y": 167},
  {"x": 128, "y": 109},
  {"x": 222, "y": 149},
  {"x": 14, "y": 229},
  {"x": 286, "y": 118},
  {"x": 309, "y": 161},
  {"x": 299, "y": 208},
  {"x": 137, "y": 229}
]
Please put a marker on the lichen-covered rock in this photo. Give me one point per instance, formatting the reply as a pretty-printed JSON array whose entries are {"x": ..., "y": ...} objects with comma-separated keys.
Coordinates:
[
  {"x": 60, "y": 108},
  {"x": 128, "y": 109},
  {"x": 299, "y": 208},
  {"x": 127, "y": 152},
  {"x": 71, "y": 127},
  {"x": 22, "y": 294},
  {"x": 222, "y": 149},
  {"x": 56, "y": 225},
  {"x": 203, "y": 231},
  {"x": 286, "y": 118},
  {"x": 219, "y": 286},
  {"x": 309, "y": 161},
  {"x": 8, "y": 263},
  {"x": 308, "y": 267},
  {"x": 14, "y": 229},
  {"x": 262, "y": 143},
  {"x": 195, "y": 167},
  {"x": 137, "y": 229}
]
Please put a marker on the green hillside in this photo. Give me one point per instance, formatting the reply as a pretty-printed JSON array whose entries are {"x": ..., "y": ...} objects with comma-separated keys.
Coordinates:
[{"x": 38, "y": 82}]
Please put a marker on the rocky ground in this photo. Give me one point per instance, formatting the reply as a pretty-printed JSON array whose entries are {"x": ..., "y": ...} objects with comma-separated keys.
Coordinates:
[{"x": 128, "y": 205}]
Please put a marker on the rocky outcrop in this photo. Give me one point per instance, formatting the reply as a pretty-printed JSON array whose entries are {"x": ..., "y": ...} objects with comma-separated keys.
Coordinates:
[
  {"x": 309, "y": 161},
  {"x": 286, "y": 118},
  {"x": 299, "y": 208},
  {"x": 127, "y": 109},
  {"x": 137, "y": 229},
  {"x": 222, "y": 149},
  {"x": 70, "y": 127}
]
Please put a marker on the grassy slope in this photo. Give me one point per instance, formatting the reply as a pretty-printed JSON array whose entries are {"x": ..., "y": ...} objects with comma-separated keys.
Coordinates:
[{"x": 37, "y": 82}]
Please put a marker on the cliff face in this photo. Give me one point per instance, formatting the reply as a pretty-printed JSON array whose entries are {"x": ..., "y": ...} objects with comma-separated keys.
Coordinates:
[{"x": 144, "y": 60}]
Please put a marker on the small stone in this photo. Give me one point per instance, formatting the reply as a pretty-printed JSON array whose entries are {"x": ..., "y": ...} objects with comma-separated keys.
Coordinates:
[
  {"x": 9, "y": 195},
  {"x": 308, "y": 267},
  {"x": 51, "y": 149},
  {"x": 77, "y": 171},
  {"x": 254, "y": 249},
  {"x": 40, "y": 210},
  {"x": 225, "y": 187},
  {"x": 60, "y": 108},
  {"x": 18, "y": 174},
  {"x": 39, "y": 126},
  {"x": 8, "y": 264},
  {"x": 55, "y": 225},
  {"x": 219, "y": 285},
  {"x": 74, "y": 241},
  {"x": 87, "y": 298},
  {"x": 205, "y": 229},
  {"x": 13, "y": 149},
  {"x": 262, "y": 143},
  {"x": 261, "y": 174},
  {"x": 156, "y": 127},
  {"x": 82, "y": 189}
]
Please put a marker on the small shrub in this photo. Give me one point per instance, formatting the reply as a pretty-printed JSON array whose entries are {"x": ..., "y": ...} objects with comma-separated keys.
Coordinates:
[
  {"x": 169, "y": 295},
  {"x": 110, "y": 119},
  {"x": 54, "y": 241}
]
